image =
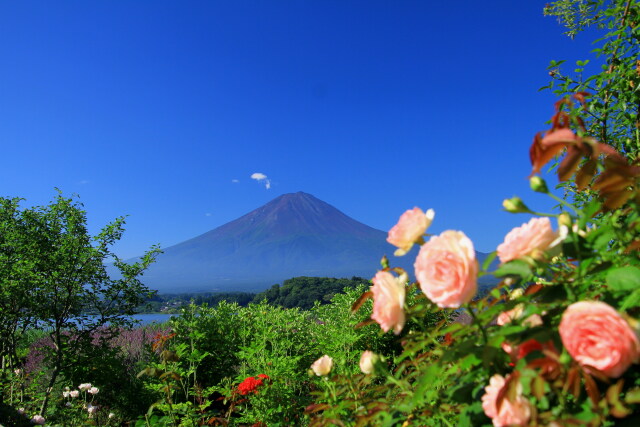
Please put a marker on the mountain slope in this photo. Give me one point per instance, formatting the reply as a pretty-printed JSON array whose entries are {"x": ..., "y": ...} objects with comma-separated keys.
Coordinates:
[{"x": 295, "y": 234}]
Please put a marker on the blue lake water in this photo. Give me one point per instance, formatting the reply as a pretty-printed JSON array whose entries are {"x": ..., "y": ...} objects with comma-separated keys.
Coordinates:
[{"x": 146, "y": 319}]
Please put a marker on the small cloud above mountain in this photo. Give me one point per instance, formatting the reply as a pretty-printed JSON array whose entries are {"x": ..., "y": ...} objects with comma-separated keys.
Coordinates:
[{"x": 260, "y": 177}]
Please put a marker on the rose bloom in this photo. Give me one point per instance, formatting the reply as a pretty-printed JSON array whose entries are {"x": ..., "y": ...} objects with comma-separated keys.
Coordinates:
[
  {"x": 515, "y": 313},
  {"x": 367, "y": 361},
  {"x": 596, "y": 335},
  {"x": 84, "y": 386},
  {"x": 92, "y": 409},
  {"x": 512, "y": 412},
  {"x": 37, "y": 419},
  {"x": 93, "y": 390},
  {"x": 410, "y": 227},
  {"x": 536, "y": 235},
  {"x": 388, "y": 301},
  {"x": 322, "y": 366},
  {"x": 74, "y": 393},
  {"x": 447, "y": 269}
]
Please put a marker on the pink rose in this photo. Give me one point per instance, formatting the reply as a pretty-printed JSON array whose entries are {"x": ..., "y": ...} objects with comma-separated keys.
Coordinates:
[
  {"x": 447, "y": 269},
  {"x": 388, "y": 301},
  {"x": 596, "y": 335},
  {"x": 410, "y": 227},
  {"x": 514, "y": 410},
  {"x": 38, "y": 420},
  {"x": 534, "y": 236},
  {"x": 322, "y": 366}
]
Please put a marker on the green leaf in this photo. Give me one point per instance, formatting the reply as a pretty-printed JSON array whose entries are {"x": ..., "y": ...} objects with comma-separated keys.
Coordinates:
[
  {"x": 624, "y": 279},
  {"x": 516, "y": 267},
  {"x": 631, "y": 301},
  {"x": 488, "y": 260}
]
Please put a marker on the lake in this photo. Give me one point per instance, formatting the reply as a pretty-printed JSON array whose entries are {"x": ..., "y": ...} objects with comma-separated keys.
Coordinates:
[{"x": 146, "y": 319}]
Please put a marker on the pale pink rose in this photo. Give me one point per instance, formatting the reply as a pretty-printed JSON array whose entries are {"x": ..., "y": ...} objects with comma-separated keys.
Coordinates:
[
  {"x": 536, "y": 235},
  {"x": 93, "y": 390},
  {"x": 367, "y": 361},
  {"x": 74, "y": 393},
  {"x": 447, "y": 269},
  {"x": 596, "y": 335},
  {"x": 84, "y": 386},
  {"x": 514, "y": 412},
  {"x": 38, "y": 420},
  {"x": 410, "y": 227},
  {"x": 322, "y": 366},
  {"x": 92, "y": 409},
  {"x": 388, "y": 300},
  {"x": 515, "y": 313}
]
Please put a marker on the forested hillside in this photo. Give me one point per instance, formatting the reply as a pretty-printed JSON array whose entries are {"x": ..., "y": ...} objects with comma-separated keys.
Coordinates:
[{"x": 303, "y": 291}]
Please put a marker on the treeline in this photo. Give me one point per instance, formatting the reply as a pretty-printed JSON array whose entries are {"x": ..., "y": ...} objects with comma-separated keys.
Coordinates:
[
  {"x": 301, "y": 292},
  {"x": 304, "y": 291}
]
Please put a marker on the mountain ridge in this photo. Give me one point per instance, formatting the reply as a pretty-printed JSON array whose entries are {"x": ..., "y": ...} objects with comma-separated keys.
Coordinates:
[{"x": 295, "y": 234}]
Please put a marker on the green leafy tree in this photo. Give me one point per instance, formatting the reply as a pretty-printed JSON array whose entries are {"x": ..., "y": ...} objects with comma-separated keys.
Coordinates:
[
  {"x": 610, "y": 114},
  {"x": 53, "y": 273}
]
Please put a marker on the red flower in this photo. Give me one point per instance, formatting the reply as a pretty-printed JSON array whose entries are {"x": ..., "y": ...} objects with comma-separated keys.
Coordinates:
[{"x": 251, "y": 384}]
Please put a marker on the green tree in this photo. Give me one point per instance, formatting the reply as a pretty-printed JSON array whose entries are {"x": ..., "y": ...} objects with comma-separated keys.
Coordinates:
[
  {"x": 611, "y": 112},
  {"x": 53, "y": 273}
]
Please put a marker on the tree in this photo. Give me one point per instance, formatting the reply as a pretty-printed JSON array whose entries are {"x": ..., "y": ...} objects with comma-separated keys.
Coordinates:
[
  {"x": 53, "y": 274},
  {"x": 611, "y": 111}
]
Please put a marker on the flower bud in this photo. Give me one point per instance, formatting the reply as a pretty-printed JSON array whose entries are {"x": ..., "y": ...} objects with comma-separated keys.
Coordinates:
[
  {"x": 368, "y": 361},
  {"x": 515, "y": 205},
  {"x": 538, "y": 185},
  {"x": 564, "y": 219},
  {"x": 322, "y": 366}
]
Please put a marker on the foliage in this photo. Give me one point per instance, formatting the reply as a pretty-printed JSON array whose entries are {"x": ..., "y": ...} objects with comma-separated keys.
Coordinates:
[
  {"x": 172, "y": 303},
  {"x": 611, "y": 112},
  {"x": 303, "y": 292},
  {"x": 526, "y": 368},
  {"x": 213, "y": 351},
  {"x": 47, "y": 255}
]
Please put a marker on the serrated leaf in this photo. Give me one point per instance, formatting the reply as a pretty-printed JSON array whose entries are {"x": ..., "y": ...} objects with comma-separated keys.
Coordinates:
[{"x": 623, "y": 279}]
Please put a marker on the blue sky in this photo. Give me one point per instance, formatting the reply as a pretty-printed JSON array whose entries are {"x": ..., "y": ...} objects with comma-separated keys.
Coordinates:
[{"x": 163, "y": 110}]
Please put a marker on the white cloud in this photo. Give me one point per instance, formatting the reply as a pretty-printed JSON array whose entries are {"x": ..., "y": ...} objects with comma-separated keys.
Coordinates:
[
  {"x": 235, "y": 181},
  {"x": 262, "y": 177}
]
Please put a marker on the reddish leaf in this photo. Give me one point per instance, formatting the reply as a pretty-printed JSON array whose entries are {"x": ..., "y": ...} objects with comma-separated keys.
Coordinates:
[
  {"x": 592, "y": 388},
  {"x": 315, "y": 407},
  {"x": 634, "y": 246},
  {"x": 586, "y": 173},
  {"x": 617, "y": 200},
  {"x": 361, "y": 300},
  {"x": 569, "y": 163}
]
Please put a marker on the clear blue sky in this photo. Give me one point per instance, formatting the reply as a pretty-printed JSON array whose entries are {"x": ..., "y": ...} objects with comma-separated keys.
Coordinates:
[{"x": 162, "y": 110}]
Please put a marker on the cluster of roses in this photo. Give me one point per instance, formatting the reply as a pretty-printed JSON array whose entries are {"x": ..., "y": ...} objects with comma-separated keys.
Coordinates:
[
  {"x": 593, "y": 333},
  {"x": 251, "y": 384},
  {"x": 87, "y": 388}
]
